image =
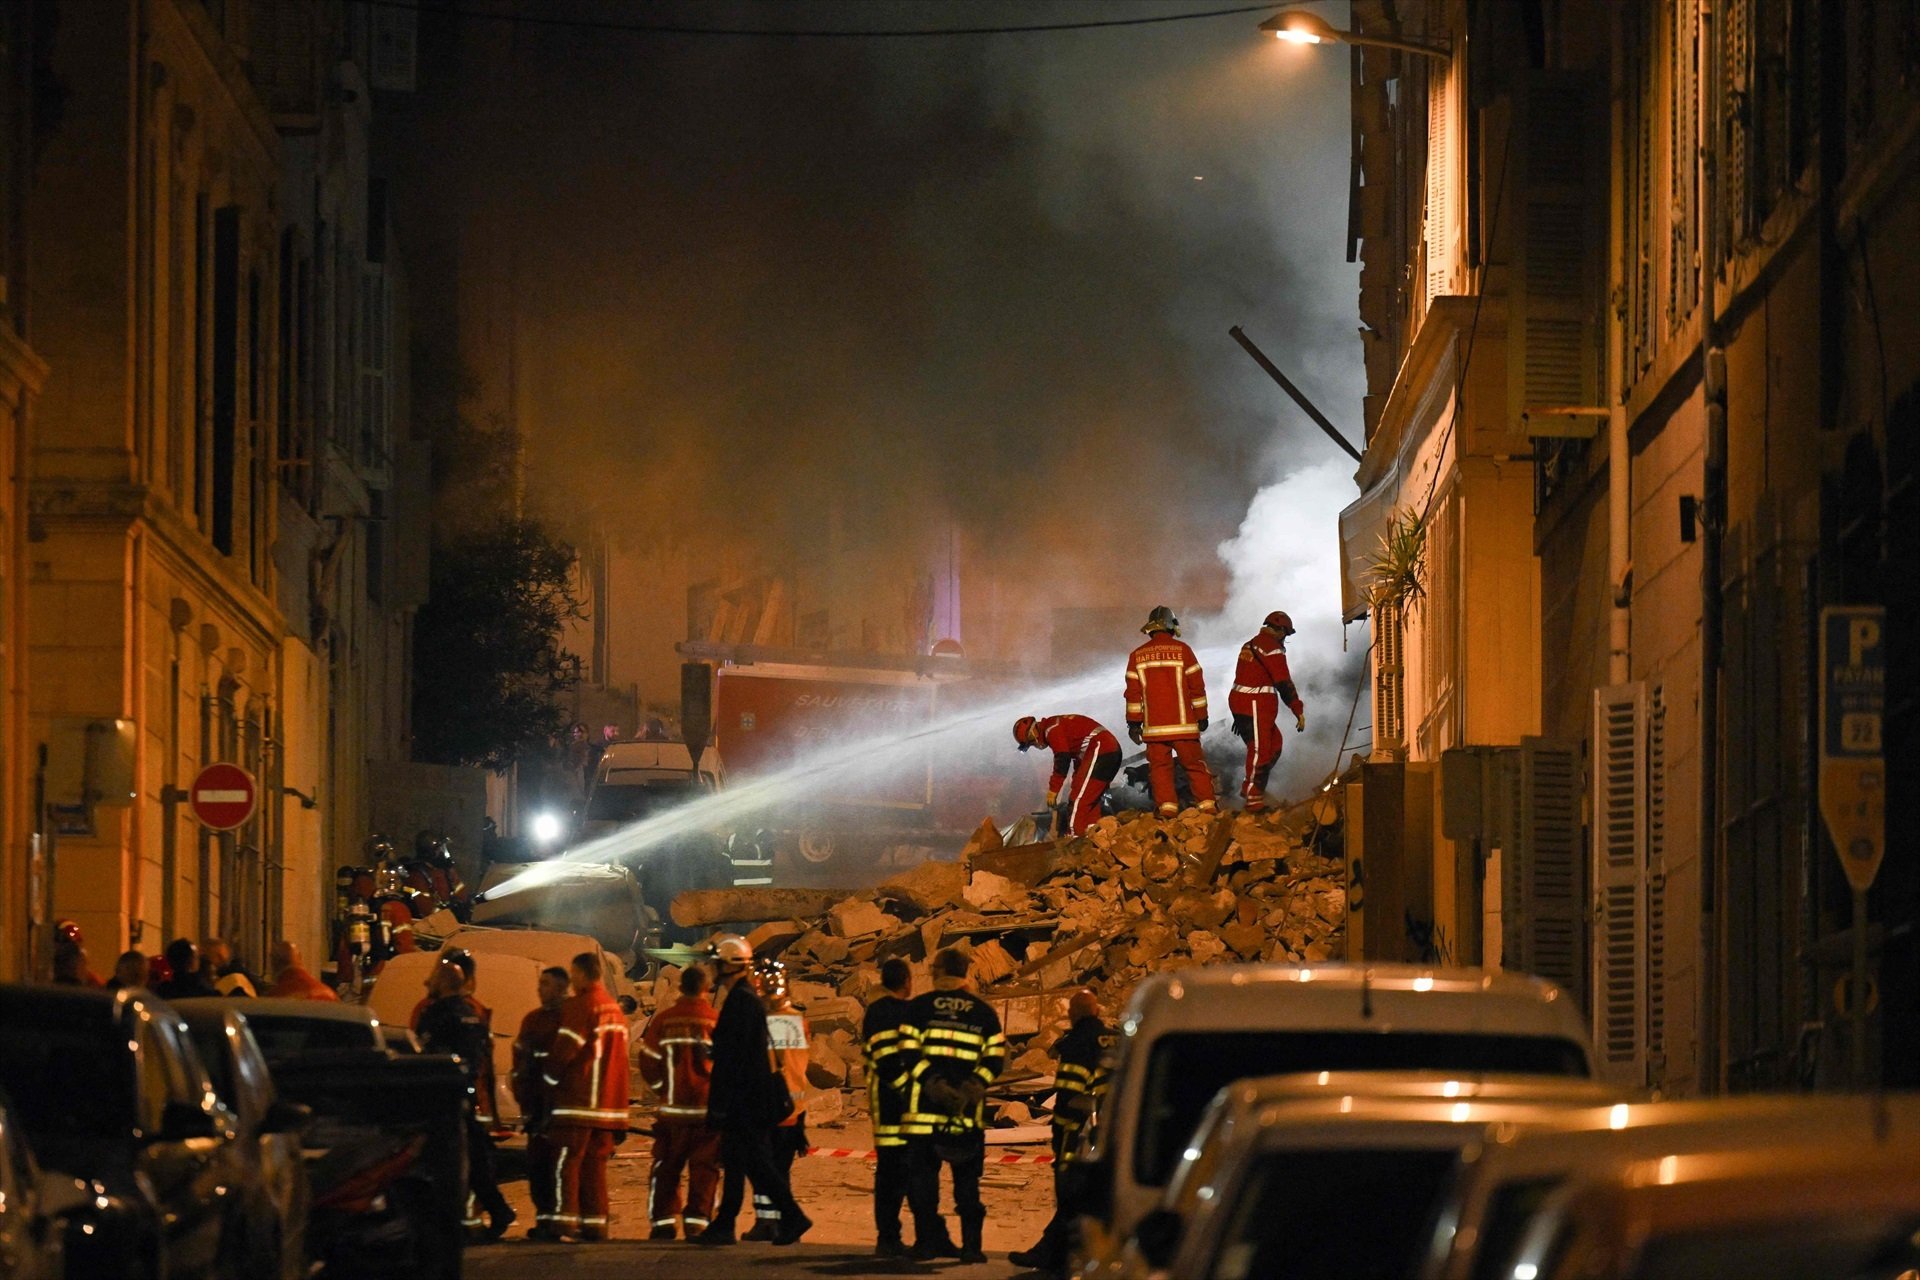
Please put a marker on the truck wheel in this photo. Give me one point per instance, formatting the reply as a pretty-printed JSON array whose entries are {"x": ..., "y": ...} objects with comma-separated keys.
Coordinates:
[{"x": 818, "y": 847}]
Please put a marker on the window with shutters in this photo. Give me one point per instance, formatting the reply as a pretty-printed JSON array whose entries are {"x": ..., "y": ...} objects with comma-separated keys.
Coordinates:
[
  {"x": 1619, "y": 881},
  {"x": 374, "y": 342},
  {"x": 1640, "y": 110},
  {"x": 1683, "y": 163},
  {"x": 1556, "y": 336},
  {"x": 1389, "y": 685},
  {"x": 1443, "y": 187},
  {"x": 1542, "y": 916}
]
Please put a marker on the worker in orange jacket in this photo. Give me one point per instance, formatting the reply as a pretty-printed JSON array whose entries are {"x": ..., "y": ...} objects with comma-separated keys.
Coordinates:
[
  {"x": 1080, "y": 744},
  {"x": 676, "y": 1060},
  {"x": 1262, "y": 684},
  {"x": 1167, "y": 710},
  {"x": 587, "y": 1071},
  {"x": 789, "y": 1035},
  {"x": 530, "y": 1049}
]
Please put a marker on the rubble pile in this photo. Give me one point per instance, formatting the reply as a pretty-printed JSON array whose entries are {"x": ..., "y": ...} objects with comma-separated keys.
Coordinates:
[{"x": 1135, "y": 895}]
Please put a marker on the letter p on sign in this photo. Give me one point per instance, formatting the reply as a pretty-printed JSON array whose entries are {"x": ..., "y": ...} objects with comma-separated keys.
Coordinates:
[{"x": 1863, "y": 636}]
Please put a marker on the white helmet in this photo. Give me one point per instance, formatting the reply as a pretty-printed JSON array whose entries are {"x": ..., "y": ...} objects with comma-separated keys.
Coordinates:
[{"x": 730, "y": 950}]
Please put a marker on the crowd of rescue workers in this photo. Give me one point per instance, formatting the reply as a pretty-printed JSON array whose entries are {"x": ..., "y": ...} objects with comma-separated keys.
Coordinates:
[{"x": 726, "y": 1062}]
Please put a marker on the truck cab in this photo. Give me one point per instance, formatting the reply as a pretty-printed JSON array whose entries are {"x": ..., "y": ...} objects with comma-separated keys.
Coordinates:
[{"x": 636, "y": 780}]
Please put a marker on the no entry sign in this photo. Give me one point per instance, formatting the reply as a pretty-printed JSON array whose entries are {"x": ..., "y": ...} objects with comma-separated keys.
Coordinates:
[{"x": 223, "y": 796}]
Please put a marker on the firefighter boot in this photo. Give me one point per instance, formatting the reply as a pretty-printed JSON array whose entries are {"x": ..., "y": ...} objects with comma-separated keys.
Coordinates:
[{"x": 970, "y": 1232}]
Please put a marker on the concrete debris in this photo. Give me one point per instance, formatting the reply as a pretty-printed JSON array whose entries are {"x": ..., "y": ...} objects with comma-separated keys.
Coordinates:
[{"x": 1135, "y": 895}]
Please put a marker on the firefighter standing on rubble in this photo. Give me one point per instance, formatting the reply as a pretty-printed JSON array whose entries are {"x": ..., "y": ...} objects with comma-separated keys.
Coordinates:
[
  {"x": 1262, "y": 684},
  {"x": 1167, "y": 710},
  {"x": 1085, "y": 1065},
  {"x": 952, "y": 1048},
  {"x": 1082, "y": 745},
  {"x": 530, "y": 1049},
  {"x": 587, "y": 1071},
  {"x": 676, "y": 1058},
  {"x": 881, "y": 1044}
]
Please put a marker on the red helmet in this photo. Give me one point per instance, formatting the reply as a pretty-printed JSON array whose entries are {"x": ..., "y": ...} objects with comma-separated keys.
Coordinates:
[
  {"x": 68, "y": 931},
  {"x": 1280, "y": 622},
  {"x": 1023, "y": 732}
]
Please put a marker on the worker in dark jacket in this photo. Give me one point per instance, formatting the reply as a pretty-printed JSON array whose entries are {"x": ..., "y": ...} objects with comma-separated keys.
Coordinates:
[
  {"x": 746, "y": 1100},
  {"x": 953, "y": 1049},
  {"x": 1084, "y": 1064},
  {"x": 453, "y": 1022},
  {"x": 881, "y": 1046}
]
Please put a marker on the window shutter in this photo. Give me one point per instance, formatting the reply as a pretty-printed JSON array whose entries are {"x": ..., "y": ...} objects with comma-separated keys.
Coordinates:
[
  {"x": 1542, "y": 920},
  {"x": 1389, "y": 684},
  {"x": 1656, "y": 950},
  {"x": 1556, "y": 195},
  {"x": 1442, "y": 219},
  {"x": 1620, "y": 971}
]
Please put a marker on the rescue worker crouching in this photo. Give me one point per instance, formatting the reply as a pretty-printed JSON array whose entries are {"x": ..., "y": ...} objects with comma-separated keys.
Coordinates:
[
  {"x": 1167, "y": 711},
  {"x": 1084, "y": 1070},
  {"x": 952, "y": 1049},
  {"x": 1262, "y": 684},
  {"x": 1080, "y": 745},
  {"x": 530, "y": 1049},
  {"x": 587, "y": 1071},
  {"x": 676, "y": 1060},
  {"x": 882, "y": 1032}
]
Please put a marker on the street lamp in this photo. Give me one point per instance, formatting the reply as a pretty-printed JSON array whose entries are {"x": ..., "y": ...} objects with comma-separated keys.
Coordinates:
[{"x": 1297, "y": 26}]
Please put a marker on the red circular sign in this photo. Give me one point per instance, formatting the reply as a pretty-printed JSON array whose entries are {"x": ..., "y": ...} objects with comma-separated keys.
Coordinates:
[{"x": 223, "y": 796}]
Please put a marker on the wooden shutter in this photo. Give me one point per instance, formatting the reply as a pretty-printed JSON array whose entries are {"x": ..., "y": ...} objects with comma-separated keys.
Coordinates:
[
  {"x": 1443, "y": 186},
  {"x": 1556, "y": 194},
  {"x": 1656, "y": 950},
  {"x": 1541, "y": 910},
  {"x": 1619, "y": 1003},
  {"x": 1389, "y": 684}
]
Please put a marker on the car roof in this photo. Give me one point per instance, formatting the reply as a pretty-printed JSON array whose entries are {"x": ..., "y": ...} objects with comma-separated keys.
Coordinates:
[
  {"x": 309, "y": 1010},
  {"x": 1414, "y": 1086},
  {"x": 73, "y": 1002},
  {"x": 1383, "y": 997},
  {"x": 205, "y": 1009}
]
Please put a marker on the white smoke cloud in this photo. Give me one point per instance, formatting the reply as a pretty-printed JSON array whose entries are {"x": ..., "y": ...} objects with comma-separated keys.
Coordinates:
[{"x": 1286, "y": 555}]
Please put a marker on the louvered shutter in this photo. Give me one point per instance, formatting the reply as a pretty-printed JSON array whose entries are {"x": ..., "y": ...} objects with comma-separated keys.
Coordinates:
[
  {"x": 1442, "y": 220},
  {"x": 1619, "y": 1003},
  {"x": 1542, "y": 920},
  {"x": 1656, "y": 843},
  {"x": 1556, "y": 194},
  {"x": 1389, "y": 693}
]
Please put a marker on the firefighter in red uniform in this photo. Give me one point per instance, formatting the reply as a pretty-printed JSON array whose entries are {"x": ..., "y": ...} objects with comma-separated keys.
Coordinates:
[
  {"x": 1261, "y": 686},
  {"x": 1167, "y": 710},
  {"x": 530, "y": 1049},
  {"x": 1080, "y": 744},
  {"x": 676, "y": 1059},
  {"x": 587, "y": 1071}
]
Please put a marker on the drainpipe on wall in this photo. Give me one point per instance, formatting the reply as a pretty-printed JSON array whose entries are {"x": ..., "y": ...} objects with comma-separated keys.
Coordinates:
[{"x": 1713, "y": 503}]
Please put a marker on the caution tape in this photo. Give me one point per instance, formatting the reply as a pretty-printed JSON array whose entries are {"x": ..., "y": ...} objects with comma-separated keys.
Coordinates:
[{"x": 847, "y": 1153}]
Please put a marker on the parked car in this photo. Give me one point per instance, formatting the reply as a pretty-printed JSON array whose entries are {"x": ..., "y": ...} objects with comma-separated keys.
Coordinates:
[
  {"x": 387, "y": 1144},
  {"x": 1830, "y": 1210},
  {"x": 276, "y": 1190},
  {"x": 1506, "y": 1179},
  {"x": 1382, "y": 1146},
  {"x": 32, "y": 1204},
  {"x": 1187, "y": 1035},
  {"x": 109, "y": 1090}
]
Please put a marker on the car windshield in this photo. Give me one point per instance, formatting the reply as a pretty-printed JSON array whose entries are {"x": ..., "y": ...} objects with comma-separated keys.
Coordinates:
[
  {"x": 1186, "y": 1070},
  {"x": 1306, "y": 1215},
  {"x": 66, "y": 1078},
  {"x": 1511, "y": 1209},
  {"x": 210, "y": 1042},
  {"x": 630, "y": 804},
  {"x": 283, "y": 1039}
]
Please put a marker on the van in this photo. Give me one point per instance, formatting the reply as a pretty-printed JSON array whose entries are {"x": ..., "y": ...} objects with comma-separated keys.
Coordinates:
[{"x": 1187, "y": 1035}]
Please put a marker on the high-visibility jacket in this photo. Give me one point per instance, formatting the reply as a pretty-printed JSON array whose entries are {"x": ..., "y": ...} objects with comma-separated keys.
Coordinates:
[
  {"x": 1080, "y": 1080},
  {"x": 790, "y": 1062},
  {"x": 1261, "y": 670},
  {"x": 530, "y": 1048},
  {"x": 1166, "y": 693},
  {"x": 587, "y": 1066},
  {"x": 676, "y": 1057},
  {"x": 950, "y": 1038},
  {"x": 1073, "y": 739},
  {"x": 882, "y": 1044}
]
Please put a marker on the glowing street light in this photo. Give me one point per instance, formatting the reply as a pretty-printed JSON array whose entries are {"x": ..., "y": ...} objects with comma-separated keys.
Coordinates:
[{"x": 1297, "y": 26}]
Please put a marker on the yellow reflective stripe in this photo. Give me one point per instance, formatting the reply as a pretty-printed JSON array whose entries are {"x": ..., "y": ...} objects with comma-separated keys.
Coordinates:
[{"x": 577, "y": 1037}]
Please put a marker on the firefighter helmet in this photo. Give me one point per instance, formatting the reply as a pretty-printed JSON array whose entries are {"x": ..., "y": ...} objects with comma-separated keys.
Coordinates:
[
  {"x": 730, "y": 951},
  {"x": 377, "y": 848},
  {"x": 1280, "y": 622},
  {"x": 1083, "y": 1004},
  {"x": 773, "y": 978},
  {"x": 1023, "y": 732},
  {"x": 1161, "y": 619},
  {"x": 67, "y": 932}
]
